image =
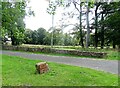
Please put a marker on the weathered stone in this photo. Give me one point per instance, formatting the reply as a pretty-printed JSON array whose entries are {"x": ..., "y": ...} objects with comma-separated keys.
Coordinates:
[
  {"x": 41, "y": 67},
  {"x": 49, "y": 50}
]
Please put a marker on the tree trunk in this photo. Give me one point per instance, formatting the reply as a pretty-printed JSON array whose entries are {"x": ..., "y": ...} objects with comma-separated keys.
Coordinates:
[
  {"x": 52, "y": 31},
  {"x": 114, "y": 46},
  {"x": 88, "y": 30},
  {"x": 13, "y": 38},
  {"x": 96, "y": 25},
  {"x": 102, "y": 33},
  {"x": 81, "y": 36}
]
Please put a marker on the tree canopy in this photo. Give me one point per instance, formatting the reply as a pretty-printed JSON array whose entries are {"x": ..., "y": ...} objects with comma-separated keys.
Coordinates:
[{"x": 13, "y": 14}]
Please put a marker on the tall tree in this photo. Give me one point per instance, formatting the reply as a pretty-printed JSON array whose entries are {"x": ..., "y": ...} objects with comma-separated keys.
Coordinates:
[
  {"x": 80, "y": 20},
  {"x": 51, "y": 10},
  {"x": 41, "y": 32},
  {"x": 47, "y": 39},
  {"x": 13, "y": 14},
  {"x": 109, "y": 11},
  {"x": 87, "y": 23},
  {"x": 97, "y": 4},
  {"x": 34, "y": 37},
  {"x": 28, "y": 36},
  {"x": 113, "y": 22},
  {"x": 102, "y": 32}
]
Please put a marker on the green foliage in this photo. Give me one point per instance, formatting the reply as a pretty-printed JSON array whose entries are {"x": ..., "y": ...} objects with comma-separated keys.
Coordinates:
[
  {"x": 35, "y": 37},
  {"x": 2, "y": 32},
  {"x": 47, "y": 39},
  {"x": 107, "y": 21},
  {"x": 68, "y": 40},
  {"x": 113, "y": 22},
  {"x": 57, "y": 37},
  {"x": 43, "y": 37},
  {"x": 28, "y": 36},
  {"x": 12, "y": 20},
  {"x": 52, "y": 8}
]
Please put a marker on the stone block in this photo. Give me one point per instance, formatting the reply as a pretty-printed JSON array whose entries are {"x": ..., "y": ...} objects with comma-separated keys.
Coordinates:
[{"x": 41, "y": 67}]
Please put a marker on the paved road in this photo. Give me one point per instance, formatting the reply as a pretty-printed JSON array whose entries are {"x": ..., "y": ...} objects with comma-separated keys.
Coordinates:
[{"x": 104, "y": 65}]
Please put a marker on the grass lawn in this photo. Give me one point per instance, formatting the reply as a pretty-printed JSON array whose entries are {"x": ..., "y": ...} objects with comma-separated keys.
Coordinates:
[{"x": 17, "y": 71}]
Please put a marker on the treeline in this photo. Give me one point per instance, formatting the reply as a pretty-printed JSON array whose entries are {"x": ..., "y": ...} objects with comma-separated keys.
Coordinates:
[
  {"x": 43, "y": 37},
  {"x": 103, "y": 31}
]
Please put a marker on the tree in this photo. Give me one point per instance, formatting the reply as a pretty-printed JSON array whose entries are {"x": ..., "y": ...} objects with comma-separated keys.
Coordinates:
[
  {"x": 109, "y": 11},
  {"x": 41, "y": 32},
  {"x": 13, "y": 14},
  {"x": 34, "y": 37},
  {"x": 57, "y": 34},
  {"x": 80, "y": 21},
  {"x": 51, "y": 10},
  {"x": 102, "y": 32},
  {"x": 113, "y": 22},
  {"x": 97, "y": 4},
  {"x": 47, "y": 39},
  {"x": 68, "y": 40},
  {"x": 76, "y": 34},
  {"x": 28, "y": 36}
]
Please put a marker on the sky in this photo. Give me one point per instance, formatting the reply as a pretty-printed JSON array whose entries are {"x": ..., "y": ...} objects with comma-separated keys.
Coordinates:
[{"x": 43, "y": 19}]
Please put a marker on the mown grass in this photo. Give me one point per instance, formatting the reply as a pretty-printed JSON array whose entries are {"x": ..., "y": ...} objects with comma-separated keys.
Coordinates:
[
  {"x": 17, "y": 71},
  {"x": 98, "y": 49}
]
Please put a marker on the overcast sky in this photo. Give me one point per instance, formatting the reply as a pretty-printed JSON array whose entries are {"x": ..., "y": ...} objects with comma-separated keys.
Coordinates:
[{"x": 41, "y": 18}]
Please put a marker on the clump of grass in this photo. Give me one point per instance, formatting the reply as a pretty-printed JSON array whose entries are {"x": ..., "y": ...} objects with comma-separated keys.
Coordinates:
[
  {"x": 17, "y": 71},
  {"x": 113, "y": 55}
]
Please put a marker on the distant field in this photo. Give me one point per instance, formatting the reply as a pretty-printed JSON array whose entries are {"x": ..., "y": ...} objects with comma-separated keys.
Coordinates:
[
  {"x": 17, "y": 71},
  {"x": 69, "y": 47}
]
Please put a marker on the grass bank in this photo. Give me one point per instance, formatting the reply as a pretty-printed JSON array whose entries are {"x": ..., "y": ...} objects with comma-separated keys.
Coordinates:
[{"x": 17, "y": 71}]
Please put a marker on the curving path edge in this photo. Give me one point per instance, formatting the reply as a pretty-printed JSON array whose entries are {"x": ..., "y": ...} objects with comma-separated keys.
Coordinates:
[{"x": 110, "y": 66}]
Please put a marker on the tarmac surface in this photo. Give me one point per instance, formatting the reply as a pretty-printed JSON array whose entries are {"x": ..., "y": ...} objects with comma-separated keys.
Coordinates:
[{"x": 110, "y": 66}]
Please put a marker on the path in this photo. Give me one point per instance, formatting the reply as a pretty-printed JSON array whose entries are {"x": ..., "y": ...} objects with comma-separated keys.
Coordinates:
[{"x": 104, "y": 65}]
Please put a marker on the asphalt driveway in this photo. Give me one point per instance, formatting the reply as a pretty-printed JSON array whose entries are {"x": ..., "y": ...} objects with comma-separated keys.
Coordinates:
[{"x": 110, "y": 66}]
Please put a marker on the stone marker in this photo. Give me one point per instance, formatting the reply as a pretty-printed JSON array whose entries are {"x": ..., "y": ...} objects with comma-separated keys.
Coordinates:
[{"x": 41, "y": 67}]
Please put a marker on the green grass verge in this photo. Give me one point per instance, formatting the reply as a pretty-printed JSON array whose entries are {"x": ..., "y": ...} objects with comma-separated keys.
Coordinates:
[{"x": 17, "y": 71}]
